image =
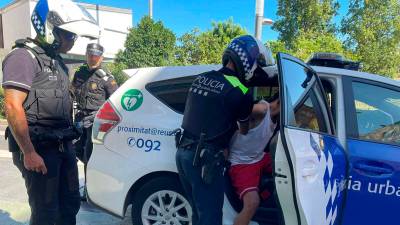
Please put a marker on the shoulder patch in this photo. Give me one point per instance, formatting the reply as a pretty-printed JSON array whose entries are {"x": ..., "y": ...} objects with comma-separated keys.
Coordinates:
[{"x": 113, "y": 82}]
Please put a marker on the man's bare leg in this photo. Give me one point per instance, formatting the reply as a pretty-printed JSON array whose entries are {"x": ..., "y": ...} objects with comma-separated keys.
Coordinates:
[{"x": 251, "y": 201}]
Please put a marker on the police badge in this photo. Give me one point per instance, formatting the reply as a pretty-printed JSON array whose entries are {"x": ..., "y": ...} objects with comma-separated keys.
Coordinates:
[{"x": 93, "y": 86}]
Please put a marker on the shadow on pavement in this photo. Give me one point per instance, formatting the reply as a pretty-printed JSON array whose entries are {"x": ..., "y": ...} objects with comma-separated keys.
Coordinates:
[
  {"x": 88, "y": 208},
  {"x": 7, "y": 220}
]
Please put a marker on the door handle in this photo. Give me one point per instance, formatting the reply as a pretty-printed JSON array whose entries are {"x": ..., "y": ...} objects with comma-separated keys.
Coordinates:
[{"x": 375, "y": 170}]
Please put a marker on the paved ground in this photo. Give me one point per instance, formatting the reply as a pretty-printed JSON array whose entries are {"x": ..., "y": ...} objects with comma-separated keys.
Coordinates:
[{"x": 14, "y": 209}]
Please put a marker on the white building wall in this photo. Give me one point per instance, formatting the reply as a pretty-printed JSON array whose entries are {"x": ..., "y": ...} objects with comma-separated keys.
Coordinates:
[
  {"x": 16, "y": 23},
  {"x": 109, "y": 19},
  {"x": 112, "y": 42},
  {"x": 115, "y": 24}
]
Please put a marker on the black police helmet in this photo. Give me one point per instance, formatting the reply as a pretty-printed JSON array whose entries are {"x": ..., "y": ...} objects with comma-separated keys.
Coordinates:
[{"x": 94, "y": 49}]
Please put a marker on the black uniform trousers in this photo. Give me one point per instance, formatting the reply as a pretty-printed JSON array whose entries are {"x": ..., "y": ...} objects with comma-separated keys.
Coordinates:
[
  {"x": 54, "y": 197},
  {"x": 84, "y": 146},
  {"x": 206, "y": 200}
]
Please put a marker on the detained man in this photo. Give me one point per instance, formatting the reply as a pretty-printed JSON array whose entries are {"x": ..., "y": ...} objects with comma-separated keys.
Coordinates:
[{"x": 249, "y": 160}]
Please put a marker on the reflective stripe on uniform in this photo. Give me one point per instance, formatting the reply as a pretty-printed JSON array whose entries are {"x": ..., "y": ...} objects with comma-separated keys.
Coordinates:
[{"x": 236, "y": 83}]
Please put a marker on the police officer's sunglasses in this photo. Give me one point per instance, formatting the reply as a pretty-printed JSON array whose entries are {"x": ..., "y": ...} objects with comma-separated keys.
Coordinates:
[{"x": 69, "y": 36}]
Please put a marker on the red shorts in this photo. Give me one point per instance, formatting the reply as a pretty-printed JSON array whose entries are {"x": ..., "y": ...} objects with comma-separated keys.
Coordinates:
[{"x": 246, "y": 177}]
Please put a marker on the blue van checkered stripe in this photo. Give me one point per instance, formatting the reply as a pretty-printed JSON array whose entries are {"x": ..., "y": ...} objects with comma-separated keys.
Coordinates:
[{"x": 331, "y": 187}]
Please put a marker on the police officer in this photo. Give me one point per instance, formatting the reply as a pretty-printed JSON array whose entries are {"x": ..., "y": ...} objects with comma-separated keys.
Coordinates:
[
  {"x": 39, "y": 111},
  {"x": 217, "y": 101},
  {"x": 92, "y": 86}
]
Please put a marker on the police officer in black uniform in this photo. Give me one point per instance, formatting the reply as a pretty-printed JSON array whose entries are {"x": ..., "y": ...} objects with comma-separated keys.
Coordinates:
[
  {"x": 39, "y": 114},
  {"x": 217, "y": 101},
  {"x": 91, "y": 86}
]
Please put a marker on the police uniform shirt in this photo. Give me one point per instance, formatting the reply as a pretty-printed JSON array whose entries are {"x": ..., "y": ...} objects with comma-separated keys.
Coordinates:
[
  {"x": 19, "y": 69},
  {"x": 82, "y": 76},
  {"x": 216, "y": 102}
]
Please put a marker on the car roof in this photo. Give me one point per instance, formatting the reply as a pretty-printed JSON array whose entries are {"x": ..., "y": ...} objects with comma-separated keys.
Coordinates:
[
  {"x": 356, "y": 74},
  {"x": 170, "y": 72}
]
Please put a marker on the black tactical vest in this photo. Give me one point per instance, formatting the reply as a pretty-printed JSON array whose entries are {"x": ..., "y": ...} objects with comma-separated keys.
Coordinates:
[
  {"x": 89, "y": 88},
  {"x": 206, "y": 110},
  {"x": 48, "y": 104}
]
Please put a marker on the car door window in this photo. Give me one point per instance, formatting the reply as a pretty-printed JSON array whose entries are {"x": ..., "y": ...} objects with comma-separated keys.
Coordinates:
[
  {"x": 377, "y": 112},
  {"x": 172, "y": 92},
  {"x": 303, "y": 109},
  {"x": 306, "y": 116},
  {"x": 265, "y": 93}
]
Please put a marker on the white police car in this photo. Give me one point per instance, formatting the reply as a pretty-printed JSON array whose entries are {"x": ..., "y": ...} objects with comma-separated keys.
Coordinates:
[{"x": 336, "y": 156}]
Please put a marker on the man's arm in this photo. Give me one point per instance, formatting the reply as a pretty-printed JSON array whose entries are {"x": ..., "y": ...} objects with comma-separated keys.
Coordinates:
[
  {"x": 16, "y": 118},
  {"x": 110, "y": 86},
  {"x": 245, "y": 109},
  {"x": 259, "y": 110}
]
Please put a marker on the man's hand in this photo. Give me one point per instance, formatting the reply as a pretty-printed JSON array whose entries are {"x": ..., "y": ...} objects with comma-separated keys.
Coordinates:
[
  {"x": 33, "y": 162},
  {"x": 259, "y": 110}
]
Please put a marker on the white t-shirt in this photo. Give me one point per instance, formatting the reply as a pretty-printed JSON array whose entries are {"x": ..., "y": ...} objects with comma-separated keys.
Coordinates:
[{"x": 249, "y": 148}]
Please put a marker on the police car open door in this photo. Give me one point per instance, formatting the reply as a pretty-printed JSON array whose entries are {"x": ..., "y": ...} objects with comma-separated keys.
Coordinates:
[{"x": 310, "y": 163}]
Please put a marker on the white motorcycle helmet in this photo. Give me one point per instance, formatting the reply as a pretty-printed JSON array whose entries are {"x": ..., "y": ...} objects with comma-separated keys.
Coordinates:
[{"x": 66, "y": 15}]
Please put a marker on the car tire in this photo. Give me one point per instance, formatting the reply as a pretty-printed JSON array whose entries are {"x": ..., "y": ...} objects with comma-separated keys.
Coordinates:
[{"x": 161, "y": 201}]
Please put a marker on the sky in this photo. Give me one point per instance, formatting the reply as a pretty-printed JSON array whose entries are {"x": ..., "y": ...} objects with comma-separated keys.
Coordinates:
[{"x": 182, "y": 16}]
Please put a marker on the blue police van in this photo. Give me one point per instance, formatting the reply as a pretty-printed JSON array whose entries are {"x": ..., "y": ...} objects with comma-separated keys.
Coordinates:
[{"x": 340, "y": 140}]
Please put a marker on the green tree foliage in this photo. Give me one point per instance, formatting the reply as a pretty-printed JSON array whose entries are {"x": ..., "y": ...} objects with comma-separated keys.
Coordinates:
[
  {"x": 116, "y": 70},
  {"x": 148, "y": 44},
  {"x": 307, "y": 43},
  {"x": 278, "y": 46},
  {"x": 187, "y": 51},
  {"x": 372, "y": 30},
  {"x": 207, "y": 47},
  {"x": 296, "y": 16},
  {"x": 212, "y": 43}
]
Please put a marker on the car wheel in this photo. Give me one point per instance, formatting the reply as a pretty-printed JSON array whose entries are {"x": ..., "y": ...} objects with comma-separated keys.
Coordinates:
[{"x": 161, "y": 202}]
